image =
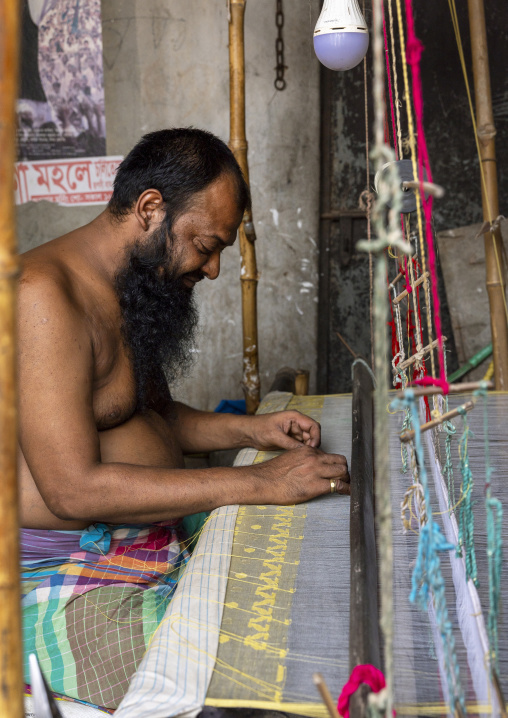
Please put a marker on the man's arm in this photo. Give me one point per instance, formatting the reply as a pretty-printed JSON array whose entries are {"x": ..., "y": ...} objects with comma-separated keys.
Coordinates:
[
  {"x": 59, "y": 438},
  {"x": 199, "y": 431},
  {"x": 203, "y": 431}
]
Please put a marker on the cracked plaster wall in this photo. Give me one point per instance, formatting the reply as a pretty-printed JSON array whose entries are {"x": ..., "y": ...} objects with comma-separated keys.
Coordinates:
[{"x": 166, "y": 64}]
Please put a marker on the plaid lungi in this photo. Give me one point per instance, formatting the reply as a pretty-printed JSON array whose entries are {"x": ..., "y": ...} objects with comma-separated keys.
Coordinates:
[{"x": 92, "y": 600}]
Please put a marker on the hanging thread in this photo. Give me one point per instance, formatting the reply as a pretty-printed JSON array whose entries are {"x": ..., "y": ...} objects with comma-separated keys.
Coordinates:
[
  {"x": 427, "y": 580},
  {"x": 466, "y": 516},
  {"x": 494, "y": 517}
]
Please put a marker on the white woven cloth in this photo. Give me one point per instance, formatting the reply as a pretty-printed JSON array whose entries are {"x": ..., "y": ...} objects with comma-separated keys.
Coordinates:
[{"x": 175, "y": 673}]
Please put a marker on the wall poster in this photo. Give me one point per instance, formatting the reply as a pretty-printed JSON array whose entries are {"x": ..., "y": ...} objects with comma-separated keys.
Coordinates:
[{"x": 61, "y": 129}]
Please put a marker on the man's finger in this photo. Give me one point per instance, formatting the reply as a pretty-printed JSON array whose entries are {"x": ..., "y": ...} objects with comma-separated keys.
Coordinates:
[
  {"x": 315, "y": 434},
  {"x": 301, "y": 424},
  {"x": 311, "y": 431},
  {"x": 343, "y": 488},
  {"x": 334, "y": 471},
  {"x": 284, "y": 441},
  {"x": 334, "y": 459}
]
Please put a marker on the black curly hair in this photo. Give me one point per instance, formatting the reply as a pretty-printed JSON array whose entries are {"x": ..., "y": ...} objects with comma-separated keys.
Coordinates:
[
  {"x": 159, "y": 318},
  {"x": 179, "y": 163}
]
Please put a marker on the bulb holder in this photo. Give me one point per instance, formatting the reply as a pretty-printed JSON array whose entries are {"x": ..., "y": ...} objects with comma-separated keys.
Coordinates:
[{"x": 341, "y": 36}]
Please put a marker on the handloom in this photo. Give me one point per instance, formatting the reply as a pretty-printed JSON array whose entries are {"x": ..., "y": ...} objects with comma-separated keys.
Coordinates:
[{"x": 252, "y": 634}]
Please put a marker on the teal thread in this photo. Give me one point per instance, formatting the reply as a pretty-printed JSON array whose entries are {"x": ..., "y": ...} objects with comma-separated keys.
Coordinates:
[
  {"x": 427, "y": 579},
  {"x": 494, "y": 515},
  {"x": 465, "y": 513},
  {"x": 450, "y": 431}
]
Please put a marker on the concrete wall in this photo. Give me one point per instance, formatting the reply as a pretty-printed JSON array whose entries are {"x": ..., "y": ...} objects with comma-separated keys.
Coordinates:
[{"x": 166, "y": 64}]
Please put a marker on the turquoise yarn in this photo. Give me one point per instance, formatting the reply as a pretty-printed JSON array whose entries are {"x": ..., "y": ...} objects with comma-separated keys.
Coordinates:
[
  {"x": 465, "y": 512},
  {"x": 450, "y": 431},
  {"x": 494, "y": 514},
  {"x": 427, "y": 578}
]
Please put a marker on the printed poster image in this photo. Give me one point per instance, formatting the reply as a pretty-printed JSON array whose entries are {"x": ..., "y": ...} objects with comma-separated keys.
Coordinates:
[
  {"x": 61, "y": 129},
  {"x": 60, "y": 110}
]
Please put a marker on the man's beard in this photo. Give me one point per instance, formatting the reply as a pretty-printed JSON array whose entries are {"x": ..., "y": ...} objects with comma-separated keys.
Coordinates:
[{"x": 159, "y": 317}]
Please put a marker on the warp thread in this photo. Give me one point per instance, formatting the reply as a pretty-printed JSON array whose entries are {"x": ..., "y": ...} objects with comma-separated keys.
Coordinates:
[
  {"x": 413, "y": 55},
  {"x": 494, "y": 514},
  {"x": 427, "y": 578},
  {"x": 466, "y": 515},
  {"x": 450, "y": 431}
]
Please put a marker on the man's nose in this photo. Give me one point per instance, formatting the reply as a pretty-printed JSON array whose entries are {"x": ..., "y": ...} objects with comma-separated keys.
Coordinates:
[{"x": 212, "y": 267}]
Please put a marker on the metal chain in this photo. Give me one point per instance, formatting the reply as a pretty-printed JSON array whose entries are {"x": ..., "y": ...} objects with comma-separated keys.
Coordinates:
[{"x": 280, "y": 82}]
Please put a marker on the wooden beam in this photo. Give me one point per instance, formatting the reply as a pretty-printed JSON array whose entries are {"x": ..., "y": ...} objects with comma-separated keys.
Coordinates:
[
  {"x": 11, "y": 694},
  {"x": 238, "y": 144},
  {"x": 364, "y": 643},
  {"x": 493, "y": 240}
]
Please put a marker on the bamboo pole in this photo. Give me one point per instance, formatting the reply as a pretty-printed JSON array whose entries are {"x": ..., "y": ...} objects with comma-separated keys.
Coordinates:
[
  {"x": 11, "y": 673},
  {"x": 493, "y": 240},
  {"x": 238, "y": 144}
]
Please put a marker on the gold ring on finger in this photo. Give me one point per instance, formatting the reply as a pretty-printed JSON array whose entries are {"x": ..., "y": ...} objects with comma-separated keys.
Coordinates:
[{"x": 333, "y": 486}]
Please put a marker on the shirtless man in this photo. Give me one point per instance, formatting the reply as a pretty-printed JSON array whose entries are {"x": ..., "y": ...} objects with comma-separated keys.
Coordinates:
[{"x": 105, "y": 312}]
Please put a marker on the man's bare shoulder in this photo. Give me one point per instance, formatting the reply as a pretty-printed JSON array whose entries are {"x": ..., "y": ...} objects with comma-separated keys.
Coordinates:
[
  {"x": 49, "y": 296},
  {"x": 45, "y": 283}
]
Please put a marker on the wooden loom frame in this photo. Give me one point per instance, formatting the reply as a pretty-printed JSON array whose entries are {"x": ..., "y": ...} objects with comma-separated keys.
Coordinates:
[
  {"x": 247, "y": 233},
  {"x": 363, "y": 606},
  {"x": 11, "y": 696}
]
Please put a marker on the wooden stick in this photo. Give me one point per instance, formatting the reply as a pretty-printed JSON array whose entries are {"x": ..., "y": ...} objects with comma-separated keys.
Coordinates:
[
  {"x": 419, "y": 281},
  {"x": 320, "y": 684},
  {"x": 416, "y": 357},
  {"x": 493, "y": 241},
  {"x": 459, "y": 713},
  {"x": 463, "y": 388},
  {"x": 397, "y": 279},
  {"x": 353, "y": 354},
  {"x": 302, "y": 382},
  {"x": 499, "y": 694},
  {"x": 238, "y": 145},
  {"x": 428, "y": 187},
  {"x": 410, "y": 435},
  {"x": 11, "y": 695}
]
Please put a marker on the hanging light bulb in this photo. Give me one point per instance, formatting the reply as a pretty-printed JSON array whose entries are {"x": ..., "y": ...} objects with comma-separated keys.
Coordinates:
[{"x": 341, "y": 37}]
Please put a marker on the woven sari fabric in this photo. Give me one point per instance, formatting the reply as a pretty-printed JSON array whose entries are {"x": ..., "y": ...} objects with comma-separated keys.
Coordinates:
[{"x": 92, "y": 600}]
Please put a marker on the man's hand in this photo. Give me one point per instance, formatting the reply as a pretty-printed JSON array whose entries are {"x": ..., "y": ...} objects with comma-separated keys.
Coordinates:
[
  {"x": 300, "y": 475},
  {"x": 283, "y": 430}
]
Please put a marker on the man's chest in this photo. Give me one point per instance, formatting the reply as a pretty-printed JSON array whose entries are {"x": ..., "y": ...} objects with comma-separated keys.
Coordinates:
[{"x": 114, "y": 388}]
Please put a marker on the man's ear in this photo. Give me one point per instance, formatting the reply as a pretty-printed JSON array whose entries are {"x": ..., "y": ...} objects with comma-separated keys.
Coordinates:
[{"x": 149, "y": 209}]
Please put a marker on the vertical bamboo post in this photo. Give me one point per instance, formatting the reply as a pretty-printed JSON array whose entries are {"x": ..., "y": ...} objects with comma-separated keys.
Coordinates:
[
  {"x": 238, "y": 144},
  {"x": 493, "y": 240},
  {"x": 11, "y": 673}
]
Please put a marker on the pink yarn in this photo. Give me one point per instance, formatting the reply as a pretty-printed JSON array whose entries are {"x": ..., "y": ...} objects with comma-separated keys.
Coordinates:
[
  {"x": 361, "y": 674},
  {"x": 413, "y": 56},
  {"x": 429, "y": 381}
]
